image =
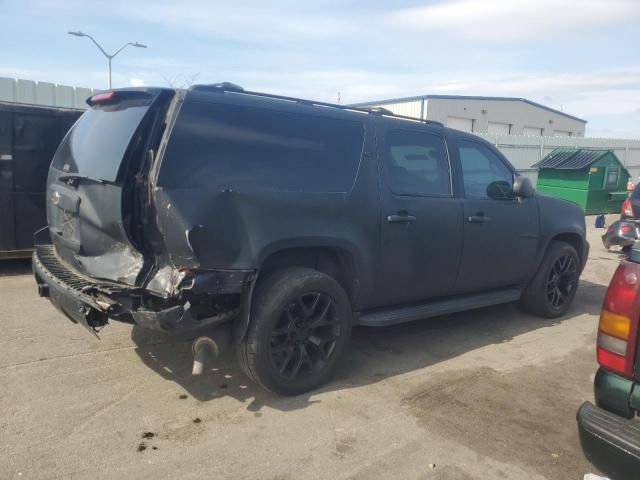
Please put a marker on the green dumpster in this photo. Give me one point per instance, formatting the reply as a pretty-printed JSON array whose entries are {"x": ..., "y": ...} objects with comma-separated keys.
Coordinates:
[{"x": 593, "y": 178}]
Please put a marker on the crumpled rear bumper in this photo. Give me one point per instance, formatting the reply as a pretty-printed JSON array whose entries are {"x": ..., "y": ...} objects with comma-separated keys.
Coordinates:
[{"x": 91, "y": 303}]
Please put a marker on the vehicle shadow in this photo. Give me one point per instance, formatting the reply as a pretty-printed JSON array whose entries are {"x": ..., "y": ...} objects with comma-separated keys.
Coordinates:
[
  {"x": 11, "y": 267},
  {"x": 374, "y": 354}
]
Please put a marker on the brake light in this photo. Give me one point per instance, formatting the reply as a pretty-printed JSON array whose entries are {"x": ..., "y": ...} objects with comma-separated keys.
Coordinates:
[
  {"x": 618, "y": 327},
  {"x": 625, "y": 229},
  {"x": 102, "y": 97},
  {"x": 626, "y": 210}
]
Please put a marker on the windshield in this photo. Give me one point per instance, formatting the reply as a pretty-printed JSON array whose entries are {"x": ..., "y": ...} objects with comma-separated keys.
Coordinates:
[{"x": 97, "y": 143}]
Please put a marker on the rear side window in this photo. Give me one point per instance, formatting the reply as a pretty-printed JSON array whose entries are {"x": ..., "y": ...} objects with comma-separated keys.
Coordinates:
[
  {"x": 96, "y": 145},
  {"x": 227, "y": 146},
  {"x": 417, "y": 163}
]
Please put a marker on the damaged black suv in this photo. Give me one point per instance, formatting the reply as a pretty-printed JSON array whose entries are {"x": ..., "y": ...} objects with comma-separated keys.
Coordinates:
[{"x": 285, "y": 222}]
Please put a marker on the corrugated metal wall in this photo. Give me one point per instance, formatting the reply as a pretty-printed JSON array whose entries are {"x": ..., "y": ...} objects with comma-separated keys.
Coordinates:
[{"x": 43, "y": 93}]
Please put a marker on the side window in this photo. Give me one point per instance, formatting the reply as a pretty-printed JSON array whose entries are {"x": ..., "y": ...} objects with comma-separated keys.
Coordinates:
[
  {"x": 485, "y": 174},
  {"x": 417, "y": 164},
  {"x": 231, "y": 146},
  {"x": 613, "y": 173}
]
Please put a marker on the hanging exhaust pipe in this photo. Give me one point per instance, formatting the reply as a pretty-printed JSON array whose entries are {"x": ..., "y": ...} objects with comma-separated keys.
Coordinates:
[{"x": 204, "y": 349}]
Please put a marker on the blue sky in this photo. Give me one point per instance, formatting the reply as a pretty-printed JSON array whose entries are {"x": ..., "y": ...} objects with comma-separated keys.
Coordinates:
[{"x": 581, "y": 55}]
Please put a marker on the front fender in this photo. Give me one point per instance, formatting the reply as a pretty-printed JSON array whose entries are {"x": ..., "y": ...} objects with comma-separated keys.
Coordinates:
[{"x": 560, "y": 219}]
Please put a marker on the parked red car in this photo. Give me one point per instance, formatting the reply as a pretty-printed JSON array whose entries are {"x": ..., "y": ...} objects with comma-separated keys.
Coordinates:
[{"x": 610, "y": 430}]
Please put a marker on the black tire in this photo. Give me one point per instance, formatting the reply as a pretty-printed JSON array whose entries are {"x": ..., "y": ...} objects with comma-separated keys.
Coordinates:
[
  {"x": 299, "y": 330},
  {"x": 554, "y": 286}
]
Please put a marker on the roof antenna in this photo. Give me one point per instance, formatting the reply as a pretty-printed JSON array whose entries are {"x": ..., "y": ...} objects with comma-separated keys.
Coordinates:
[{"x": 338, "y": 98}]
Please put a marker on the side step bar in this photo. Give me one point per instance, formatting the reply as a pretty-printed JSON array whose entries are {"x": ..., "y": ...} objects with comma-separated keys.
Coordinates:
[{"x": 408, "y": 313}]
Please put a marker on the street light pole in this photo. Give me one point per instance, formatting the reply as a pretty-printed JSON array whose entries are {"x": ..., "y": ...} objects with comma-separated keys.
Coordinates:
[{"x": 107, "y": 55}]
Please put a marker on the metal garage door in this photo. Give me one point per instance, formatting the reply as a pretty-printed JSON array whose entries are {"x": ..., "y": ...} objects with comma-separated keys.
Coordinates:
[
  {"x": 464, "y": 124},
  {"x": 532, "y": 131},
  {"x": 499, "y": 128}
]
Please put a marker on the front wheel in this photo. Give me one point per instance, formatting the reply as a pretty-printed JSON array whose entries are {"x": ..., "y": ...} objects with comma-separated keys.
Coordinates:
[
  {"x": 554, "y": 286},
  {"x": 300, "y": 328}
]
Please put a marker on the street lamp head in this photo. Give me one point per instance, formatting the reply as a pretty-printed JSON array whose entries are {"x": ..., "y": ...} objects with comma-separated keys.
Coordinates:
[
  {"x": 139, "y": 45},
  {"x": 77, "y": 34}
]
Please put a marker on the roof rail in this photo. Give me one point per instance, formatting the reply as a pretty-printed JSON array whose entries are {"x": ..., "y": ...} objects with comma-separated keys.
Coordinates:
[
  {"x": 233, "y": 88},
  {"x": 224, "y": 86}
]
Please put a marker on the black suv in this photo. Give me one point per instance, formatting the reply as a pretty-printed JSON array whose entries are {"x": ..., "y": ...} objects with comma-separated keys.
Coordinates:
[{"x": 289, "y": 221}]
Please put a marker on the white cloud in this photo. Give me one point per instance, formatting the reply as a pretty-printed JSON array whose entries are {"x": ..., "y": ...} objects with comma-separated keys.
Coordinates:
[
  {"x": 136, "y": 82},
  {"x": 513, "y": 19}
]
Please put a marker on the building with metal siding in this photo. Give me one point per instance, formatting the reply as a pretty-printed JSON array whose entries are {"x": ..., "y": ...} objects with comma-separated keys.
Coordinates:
[{"x": 495, "y": 115}]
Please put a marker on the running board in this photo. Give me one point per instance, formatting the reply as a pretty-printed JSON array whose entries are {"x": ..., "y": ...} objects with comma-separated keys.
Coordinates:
[{"x": 408, "y": 313}]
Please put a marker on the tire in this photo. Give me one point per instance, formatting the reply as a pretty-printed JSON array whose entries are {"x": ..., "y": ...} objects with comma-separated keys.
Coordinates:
[
  {"x": 554, "y": 286},
  {"x": 300, "y": 327}
]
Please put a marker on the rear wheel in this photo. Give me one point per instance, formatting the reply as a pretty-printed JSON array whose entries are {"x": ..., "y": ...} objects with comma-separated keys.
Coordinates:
[
  {"x": 552, "y": 290},
  {"x": 299, "y": 330}
]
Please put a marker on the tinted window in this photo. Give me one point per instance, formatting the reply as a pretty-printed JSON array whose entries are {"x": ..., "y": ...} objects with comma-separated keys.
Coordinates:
[
  {"x": 227, "y": 146},
  {"x": 485, "y": 174},
  {"x": 636, "y": 191},
  {"x": 417, "y": 164},
  {"x": 97, "y": 143}
]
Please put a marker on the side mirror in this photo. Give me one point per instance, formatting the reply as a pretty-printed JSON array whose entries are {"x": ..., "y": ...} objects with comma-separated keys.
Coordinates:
[
  {"x": 499, "y": 190},
  {"x": 522, "y": 187}
]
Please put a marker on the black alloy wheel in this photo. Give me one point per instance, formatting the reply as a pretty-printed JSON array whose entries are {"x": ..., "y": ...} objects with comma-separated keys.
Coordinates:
[
  {"x": 562, "y": 280},
  {"x": 304, "y": 339},
  {"x": 300, "y": 326}
]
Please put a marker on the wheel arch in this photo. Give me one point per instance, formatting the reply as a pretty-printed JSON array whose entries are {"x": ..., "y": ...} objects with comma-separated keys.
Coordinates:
[
  {"x": 573, "y": 239},
  {"x": 339, "y": 260}
]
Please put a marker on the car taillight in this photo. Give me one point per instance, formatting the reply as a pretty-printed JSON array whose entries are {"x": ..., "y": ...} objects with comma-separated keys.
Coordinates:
[
  {"x": 625, "y": 229},
  {"x": 626, "y": 209},
  {"x": 618, "y": 327}
]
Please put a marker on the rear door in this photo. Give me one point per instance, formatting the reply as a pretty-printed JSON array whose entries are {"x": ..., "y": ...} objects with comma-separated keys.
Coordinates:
[
  {"x": 500, "y": 232},
  {"x": 7, "y": 230},
  {"x": 92, "y": 202},
  {"x": 421, "y": 217}
]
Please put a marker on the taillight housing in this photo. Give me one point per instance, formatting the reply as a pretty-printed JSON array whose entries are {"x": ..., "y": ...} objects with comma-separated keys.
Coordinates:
[
  {"x": 618, "y": 327},
  {"x": 102, "y": 97},
  {"x": 627, "y": 209}
]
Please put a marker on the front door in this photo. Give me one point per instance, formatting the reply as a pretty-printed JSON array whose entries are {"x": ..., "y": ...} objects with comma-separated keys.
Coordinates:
[
  {"x": 421, "y": 217},
  {"x": 500, "y": 231}
]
